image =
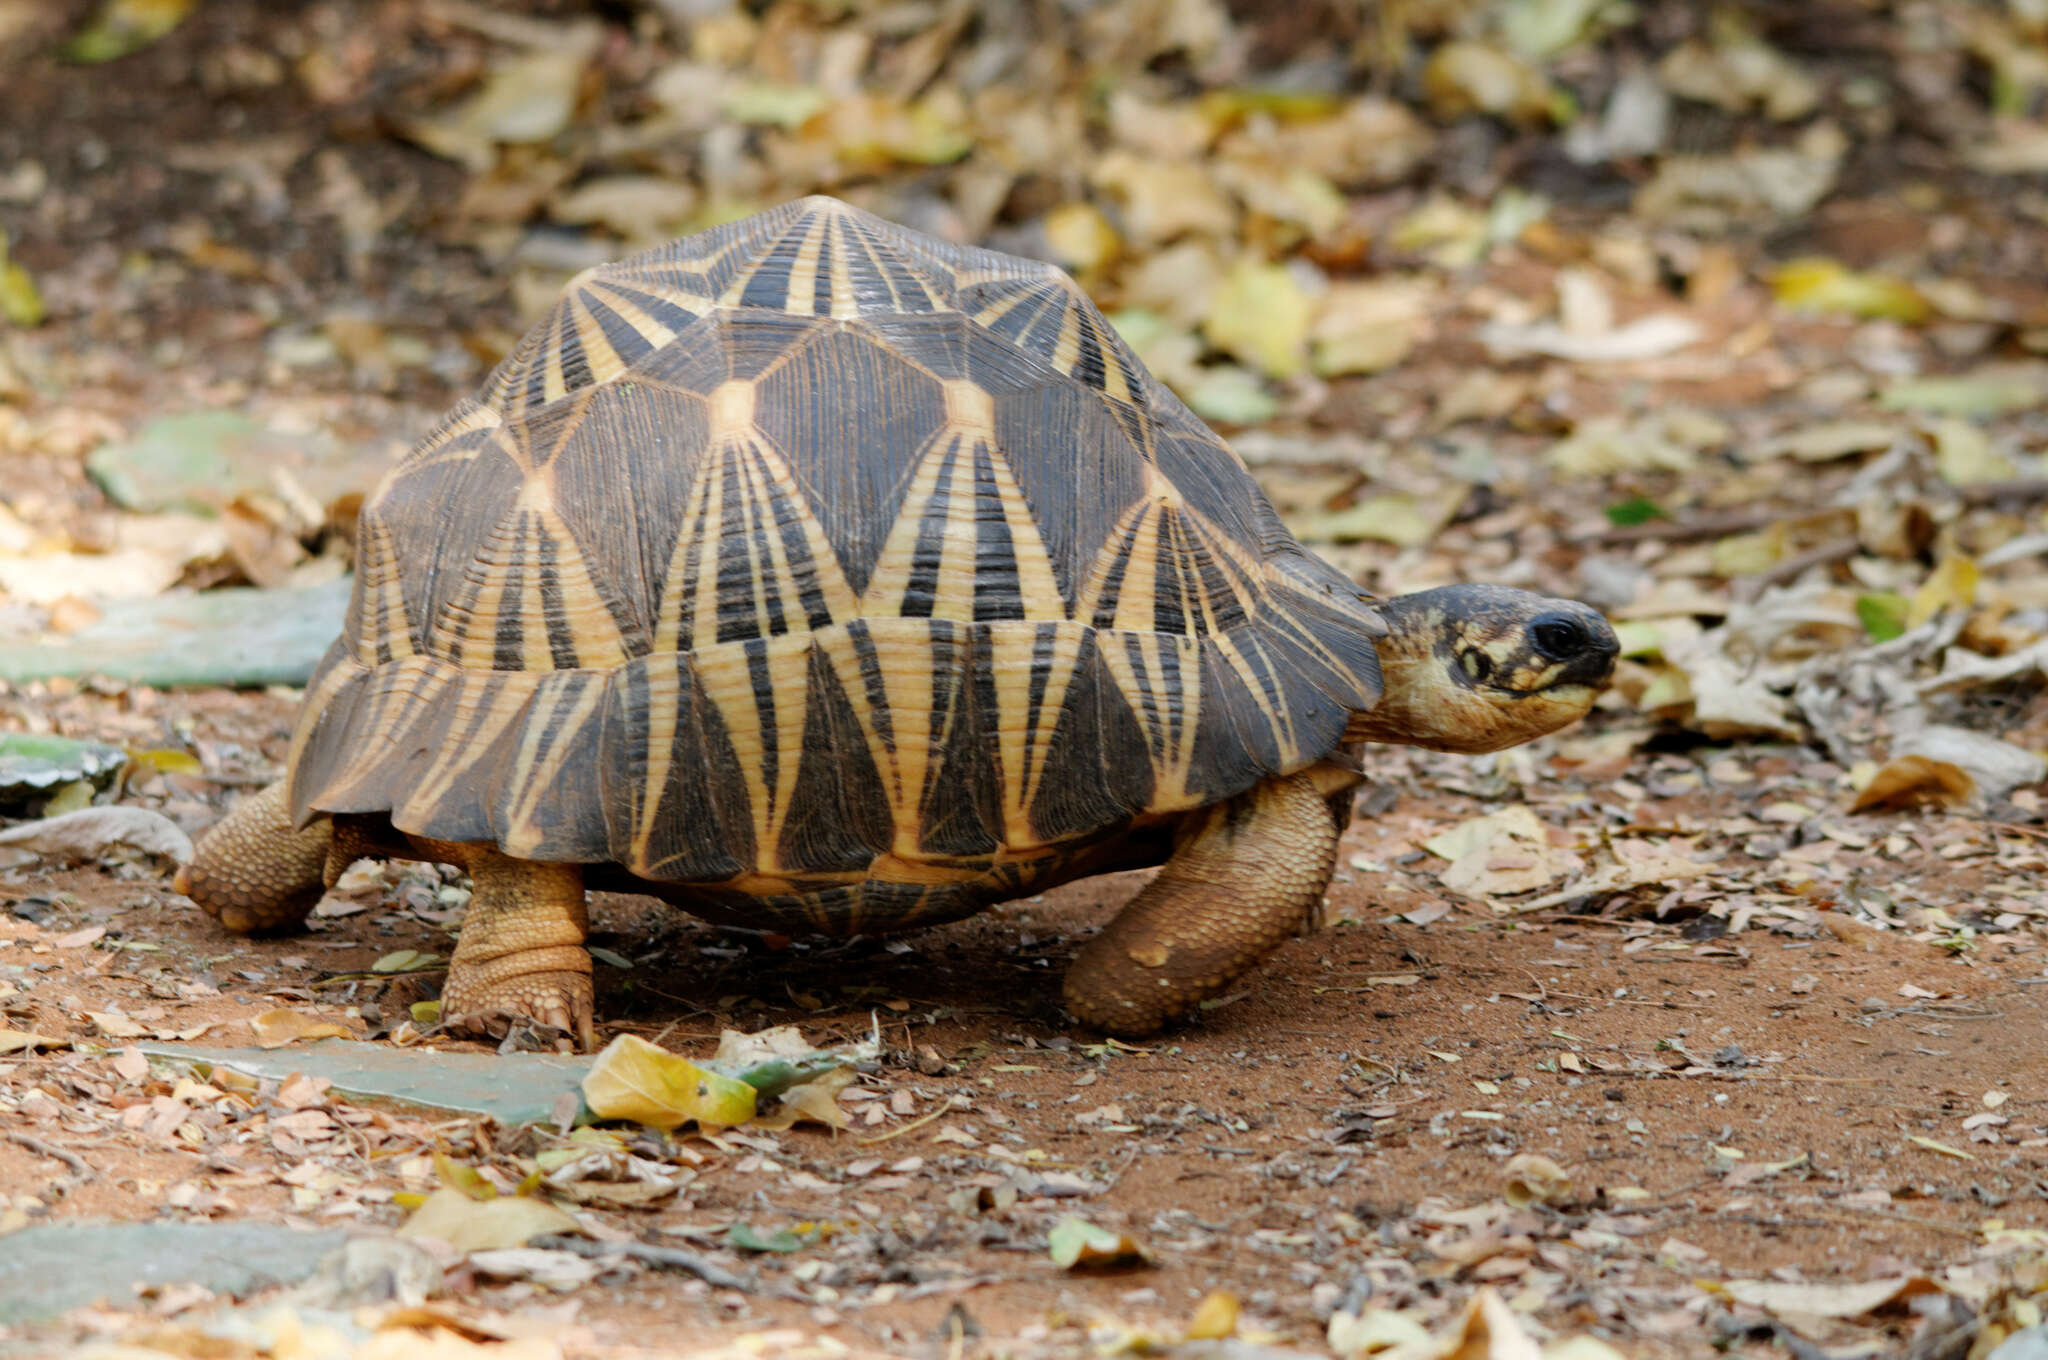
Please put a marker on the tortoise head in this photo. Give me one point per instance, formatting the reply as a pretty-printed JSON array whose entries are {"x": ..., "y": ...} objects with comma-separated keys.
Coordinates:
[{"x": 1477, "y": 668}]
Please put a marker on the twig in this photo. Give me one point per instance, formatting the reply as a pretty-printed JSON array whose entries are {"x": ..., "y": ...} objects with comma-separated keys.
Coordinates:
[
  {"x": 945, "y": 1107},
  {"x": 1792, "y": 568},
  {"x": 668, "y": 1258},
  {"x": 1688, "y": 530},
  {"x": 2018, "y": 489},
  {"x": 78, "y": 1164}
]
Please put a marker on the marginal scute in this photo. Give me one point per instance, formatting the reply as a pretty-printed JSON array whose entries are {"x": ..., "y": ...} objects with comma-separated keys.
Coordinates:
[{"x": 811, "y": 551}]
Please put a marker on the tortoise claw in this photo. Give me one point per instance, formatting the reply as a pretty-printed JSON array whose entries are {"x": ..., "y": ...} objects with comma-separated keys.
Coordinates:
[{"x": 559, "y": 1000}]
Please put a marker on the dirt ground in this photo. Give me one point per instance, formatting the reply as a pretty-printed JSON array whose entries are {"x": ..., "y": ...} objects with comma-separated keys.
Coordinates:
[
  {"x": 1780, "y": 1057},
  {"x": 1804, "y": 1098}
]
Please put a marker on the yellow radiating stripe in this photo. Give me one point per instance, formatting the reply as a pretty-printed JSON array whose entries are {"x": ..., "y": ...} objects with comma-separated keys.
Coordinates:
[
  {"x": 845, "y": 302},
  {"x": 1001, "y": 308},
  {"x": 598, "y": 355},
  {"x": 1115, "y": 382},
  {"x": 651, "y": 330},
  {"x": 841, "y": 654},
  {"x": 771, "y": 480},
  {"x": 803, "y": 271},
  {"x": 594, "y": 634},
  {"x": 1066, "y": 351},
  {"x": 662, "y": 707},
  {"x": 414, "y": 685},
  {"x": 318, "y": 697},
  {"x": 1036, "y": 583},
  {"x": 890, "y": 579},
  {"x": 534, "y": 777},
  {"x": 1021, "y": 744},
  {"x": 680, "y": 597},
  {"x": 484, "y": 704},
  {"x": 1103, "y": 568},
  {"x": 726, "y": 680},
  {"x": 1151, "y": 695},
  {"x": 1274, "y": 707},
  {"x": 1135, "y": 599},
  {"x": 904, "y": 656},
  {"x": 534, "y": 652},
  {"x": 382, "y": 581}
]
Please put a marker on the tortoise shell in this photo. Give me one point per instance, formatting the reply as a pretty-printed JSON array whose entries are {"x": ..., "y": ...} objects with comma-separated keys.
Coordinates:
[{"x": 811, "y": 550}]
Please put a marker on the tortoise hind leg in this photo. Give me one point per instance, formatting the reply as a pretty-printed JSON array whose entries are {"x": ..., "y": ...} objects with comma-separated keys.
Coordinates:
[
  {"x": 1244, "y": 876},
  {"x": 520, "y": 953},
  {"x": 254, "y": 871}
]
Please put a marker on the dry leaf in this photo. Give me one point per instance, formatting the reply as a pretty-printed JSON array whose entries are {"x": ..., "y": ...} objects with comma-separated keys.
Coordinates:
[
  {"x": 482, "y": 1225},
  {"x": 277, "y": 1028},
  {"x": 1077, "y": 1244},
  {"x": 633, "y": 1079}
]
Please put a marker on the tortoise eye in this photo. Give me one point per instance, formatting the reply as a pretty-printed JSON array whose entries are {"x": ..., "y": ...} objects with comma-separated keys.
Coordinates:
[{"x": 1558, "y": 637}]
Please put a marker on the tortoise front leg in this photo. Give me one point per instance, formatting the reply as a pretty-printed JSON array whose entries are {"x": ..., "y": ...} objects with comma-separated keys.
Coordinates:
[
  {"x": 520, "y": 954},
  {"x": 1243, "y": 877},
  {"x": 255, "y": 872}
]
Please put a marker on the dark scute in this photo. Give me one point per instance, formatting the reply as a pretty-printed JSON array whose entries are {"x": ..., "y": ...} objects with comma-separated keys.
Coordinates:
[
  {"x": 731, "y": 247},
  {"x": 1234, "y": 743},
  {"x": 934, "y": 341},
  {"x": 1097, "y": 768},
  {"x": 1303, "y": 624},
  {"x": 1319, "y": 699},
  {"x": 621, "y": 482},
  {"x": 768, "y": 286},
  {"x": 1077, "y": 469},
  {"x": 703, "y": 830},
  {"x": 839, "y": 816},
  {"x": 851, "y": 419},
  {"x": 439, "y": 515},
  {"x": 1214, "y": 483},
  {"x": 462, "y": 813},
  {"x": 962, "y": 810},
  {"x": 570, "y": 809},
  {"x": 331, "y": 742},
  {"x": 695, "y": 361},
  {"x": 890, "y": 271},
  {"x": 754, "y": 341}
]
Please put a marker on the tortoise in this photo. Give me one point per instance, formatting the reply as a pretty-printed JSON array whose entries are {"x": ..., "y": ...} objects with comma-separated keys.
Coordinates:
[{"x": 816, "y": 575}]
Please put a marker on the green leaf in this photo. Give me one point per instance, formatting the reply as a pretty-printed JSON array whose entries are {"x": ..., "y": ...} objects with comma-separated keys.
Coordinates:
[
  {"x": 1635, "y": 510},
  {"x": 1883, "y": 614},
  {"x": 609, "y": 959},
  {"x": 124, "y": 26},
  {"x": 744, "y": 1237}
]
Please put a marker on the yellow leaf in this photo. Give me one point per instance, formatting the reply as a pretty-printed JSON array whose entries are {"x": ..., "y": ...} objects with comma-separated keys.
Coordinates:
[
  {"x": 1080, "y": 237},
  {"x": 275, "y": 1029},
  {"x": 1964, "y": 455},
  {"x": 1215, "y": 1316},
  {"x": 467, "y": 1179},
  {"x": 633, "y": 1079},
  {"x": 20, "y": 301},
  {"x": 20, "y": 1041},
  {"x": 167, "y": 760},
  {"x": 1816, "y": 284},
  {"x": 1952, "y": 584},
  {"x": 1261, "y": 316},
  {"x": 485, "y": 1225}
]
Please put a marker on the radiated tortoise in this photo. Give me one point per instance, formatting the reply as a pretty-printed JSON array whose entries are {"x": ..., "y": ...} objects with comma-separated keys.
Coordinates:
[{"x": 816, "y": 575}]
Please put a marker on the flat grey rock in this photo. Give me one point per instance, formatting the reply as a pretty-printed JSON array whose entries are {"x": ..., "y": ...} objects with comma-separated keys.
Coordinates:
[
  {"x": 51, "y": 1268},
  {"x": 213, "y": 637},
  {"x": 512, "y": 1088}
]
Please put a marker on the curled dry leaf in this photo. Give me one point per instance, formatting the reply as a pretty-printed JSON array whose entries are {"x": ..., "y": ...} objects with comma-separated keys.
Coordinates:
[
  {"x": 1532, "y": 1178},
  {"x": 1915, "y": 781}
]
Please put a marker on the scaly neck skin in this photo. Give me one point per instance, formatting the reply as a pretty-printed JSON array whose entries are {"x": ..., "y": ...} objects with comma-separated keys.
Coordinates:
[{"x": 1463, "y": 672}]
